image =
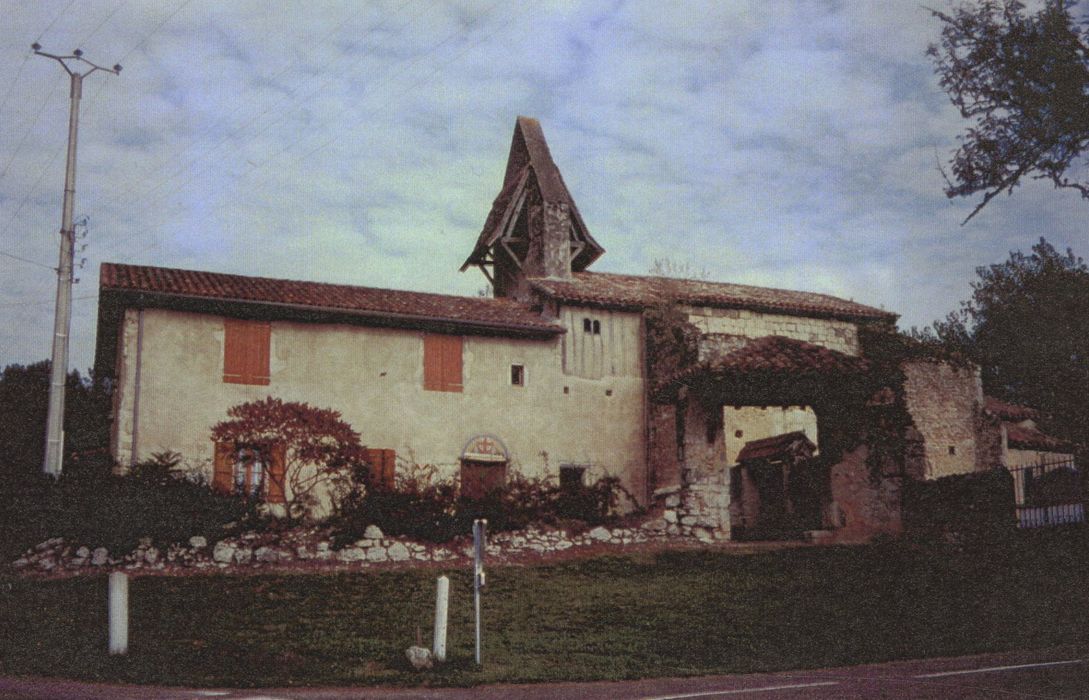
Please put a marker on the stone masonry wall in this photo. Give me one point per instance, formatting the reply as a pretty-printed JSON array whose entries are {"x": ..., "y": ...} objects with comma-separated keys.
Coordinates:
[
  {"x": 835, "y": 335},
  {"x": 945, "y": 403},
  {"x": 863, "y": 505}
]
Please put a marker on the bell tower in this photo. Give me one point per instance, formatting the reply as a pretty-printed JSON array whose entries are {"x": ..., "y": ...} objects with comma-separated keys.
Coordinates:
[{"x": 534, "y": 229}]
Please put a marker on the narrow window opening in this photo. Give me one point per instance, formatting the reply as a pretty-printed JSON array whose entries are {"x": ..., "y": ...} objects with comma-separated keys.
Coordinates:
[
  {"x": 518, "y": 375},
  {"x": 587, "y": 325},
  {"x": 597, "y": 327},
  {"x": 952, "y": 450}
]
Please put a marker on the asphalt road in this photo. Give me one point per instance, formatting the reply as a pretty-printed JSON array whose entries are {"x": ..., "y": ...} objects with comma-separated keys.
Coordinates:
[{"x": 1055, "y": 673}]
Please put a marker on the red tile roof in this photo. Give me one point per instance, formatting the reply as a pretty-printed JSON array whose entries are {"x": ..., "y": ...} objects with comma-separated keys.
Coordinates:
[
  {"x": 778, "y": 355},
  {"x": 1025, "y": 438},
  {"x": 638, "y": 292},
  {"x": 497, "y": 314},
  {"x": 1009, "y": 411},
  {"x": 775, "y": 446}
]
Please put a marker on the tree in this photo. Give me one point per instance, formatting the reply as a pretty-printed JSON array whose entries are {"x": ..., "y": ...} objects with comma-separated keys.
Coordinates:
[
  {"x": 1023, "y": 80},
  {"x": 1027, "y": 325},
  {"x": 24, "y": 396},
  {"x": 319, "y": 449}
]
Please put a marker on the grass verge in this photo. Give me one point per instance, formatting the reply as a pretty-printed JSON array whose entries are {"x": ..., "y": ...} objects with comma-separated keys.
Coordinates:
[{"x": 664, "y": 614}]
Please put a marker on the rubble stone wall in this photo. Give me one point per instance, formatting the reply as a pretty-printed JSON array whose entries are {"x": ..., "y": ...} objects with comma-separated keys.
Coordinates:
[
  {"x": 945, "y": 402},
  {"x": 830, "y": 333},
  {"x": 863, "y": 505}
]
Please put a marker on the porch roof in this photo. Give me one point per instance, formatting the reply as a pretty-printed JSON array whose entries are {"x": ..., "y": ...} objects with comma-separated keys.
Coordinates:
[
  {"x": 770, "y": 368},
  {"x": 776, "y": 446}
]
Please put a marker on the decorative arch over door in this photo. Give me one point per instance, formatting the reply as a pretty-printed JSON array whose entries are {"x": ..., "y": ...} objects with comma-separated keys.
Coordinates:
[{"x": 484, "y": 462}]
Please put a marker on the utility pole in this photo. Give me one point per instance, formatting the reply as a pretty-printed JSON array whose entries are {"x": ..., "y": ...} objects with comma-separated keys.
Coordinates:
[{"x": 62, "y": 321}]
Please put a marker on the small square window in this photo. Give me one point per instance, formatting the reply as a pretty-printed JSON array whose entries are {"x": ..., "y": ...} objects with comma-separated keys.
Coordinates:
[
  {"x": 952, "y": 450},
  {"x": 571, "y": 476},
  {"x": 518, "y": 375}
]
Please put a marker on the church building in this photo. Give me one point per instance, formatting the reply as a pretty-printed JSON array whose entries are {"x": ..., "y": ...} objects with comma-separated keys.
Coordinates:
[{"x": 566, "y": 373}]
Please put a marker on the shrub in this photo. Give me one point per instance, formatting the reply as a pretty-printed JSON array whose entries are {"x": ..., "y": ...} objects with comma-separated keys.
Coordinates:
[
  {"x": 102, "y": 510},
  {"x": 320, "y": 450},
  {"x": 975, "y": 504},
  {"x": 427, "y": 508}
]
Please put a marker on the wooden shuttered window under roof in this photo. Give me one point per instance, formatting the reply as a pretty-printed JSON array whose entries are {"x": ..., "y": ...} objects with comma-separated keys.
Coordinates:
[
  {"x": 442, "y": 362},
  {"x": 245, "y": 351}
]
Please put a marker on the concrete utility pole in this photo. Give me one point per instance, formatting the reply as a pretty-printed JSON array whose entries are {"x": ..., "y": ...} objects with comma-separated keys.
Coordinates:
[{"x": 62, "y": 321}]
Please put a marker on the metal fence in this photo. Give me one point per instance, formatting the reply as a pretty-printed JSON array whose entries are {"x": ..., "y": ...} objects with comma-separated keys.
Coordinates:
[{"x": 1049, "y": 493}]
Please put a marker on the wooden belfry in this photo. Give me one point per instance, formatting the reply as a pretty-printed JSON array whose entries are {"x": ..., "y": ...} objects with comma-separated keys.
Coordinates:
[{"x": 534, "y": 229}]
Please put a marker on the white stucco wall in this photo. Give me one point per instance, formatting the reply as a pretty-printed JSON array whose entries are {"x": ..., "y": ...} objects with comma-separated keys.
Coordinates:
[
  {"x": 757, "y": 422},
  {"x": 374, "y": 377}
]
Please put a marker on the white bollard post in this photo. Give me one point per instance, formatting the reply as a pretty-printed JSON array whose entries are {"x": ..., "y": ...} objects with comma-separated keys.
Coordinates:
[
  {"x": 442, "y": 598},
  {"x": 119, "y": 613},
  {"x": 479, "y": 539}
]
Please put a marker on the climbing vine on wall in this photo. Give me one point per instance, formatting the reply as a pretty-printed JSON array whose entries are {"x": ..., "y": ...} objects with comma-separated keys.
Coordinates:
[{"x": 672, "y": 342}]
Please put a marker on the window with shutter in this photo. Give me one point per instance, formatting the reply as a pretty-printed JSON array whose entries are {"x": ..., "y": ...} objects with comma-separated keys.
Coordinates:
[
  {"x": 383, "y": 464},
  {"x": 246, "y": 351},
  {"x": 250, "y": 471},
  {"x": 442, "y": 362}
]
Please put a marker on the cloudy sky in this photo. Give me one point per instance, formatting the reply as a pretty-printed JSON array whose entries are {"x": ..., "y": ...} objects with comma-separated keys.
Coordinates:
[{"x": 785, "y": 144}]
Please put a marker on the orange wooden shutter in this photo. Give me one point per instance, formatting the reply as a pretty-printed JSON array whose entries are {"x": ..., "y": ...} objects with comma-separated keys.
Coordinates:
[
  {"x": 246, "y": 351},
  {"x": 451, "y": 363},
  {"x": 389, "y": 468},
  {"x": 223, "y": 467},
  {"x": 433, "y": 346},
  {"x": 234, "y": 345},
  {"x": 260, "y": 333},
  {"x": 277, "y": 473}
]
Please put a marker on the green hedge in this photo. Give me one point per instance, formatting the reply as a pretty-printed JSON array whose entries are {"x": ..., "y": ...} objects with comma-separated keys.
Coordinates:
[
  {"x": 97, "y": 509},
  {"x": 978, "y": 503}
]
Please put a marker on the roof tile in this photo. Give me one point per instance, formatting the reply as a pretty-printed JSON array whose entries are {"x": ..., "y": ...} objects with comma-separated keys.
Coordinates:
[
  {"x": 637, "y": 292},
  {"x": 496, "y": 313}
]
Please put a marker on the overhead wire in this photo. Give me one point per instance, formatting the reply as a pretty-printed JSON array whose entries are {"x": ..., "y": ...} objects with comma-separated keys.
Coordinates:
[
  {"x": 11, "y": 87},
  {"x": 27, "y": 260},
  {"x": 46, "y": 303},
  {"x": 388, "y": 79},
  {"x": 59, "y": 15},
  {"x": 158, "y": 26},
  {"x": 107, "y": 18},
  {"x": 243, "y": 127},
  {"x": 34, "y": 188},
  {"x": 26, "y": 134}
]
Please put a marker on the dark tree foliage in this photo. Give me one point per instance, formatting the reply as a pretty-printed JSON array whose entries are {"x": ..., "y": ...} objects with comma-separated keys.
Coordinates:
[
  {"x": 24, "y": 400},
  {"x": 1022, "y": 79},
  {"x": 1027, "y": 325}
]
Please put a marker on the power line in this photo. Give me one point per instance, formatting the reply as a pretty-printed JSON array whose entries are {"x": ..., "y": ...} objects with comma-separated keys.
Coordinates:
[
  {"x": 158, "y": 26},
  {"x": 414, "y": 60},
  {"x": 32, "y": 262},
  {"x": 98, "y": 26},
  {"x": 59, "y": 15},
  {"x": 11, "y": 88},
  {"x": 41, "y": 110},
  {"x": 208, "y": 151},
  {"x": 45, "y": 303}
]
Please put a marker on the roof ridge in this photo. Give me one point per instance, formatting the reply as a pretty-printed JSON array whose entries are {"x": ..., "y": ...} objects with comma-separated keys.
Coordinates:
[{"x": 282, "y": 280}]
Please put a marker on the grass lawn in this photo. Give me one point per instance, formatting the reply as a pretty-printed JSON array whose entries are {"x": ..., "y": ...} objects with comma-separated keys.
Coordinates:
[{"x": 668, "y": 613}]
